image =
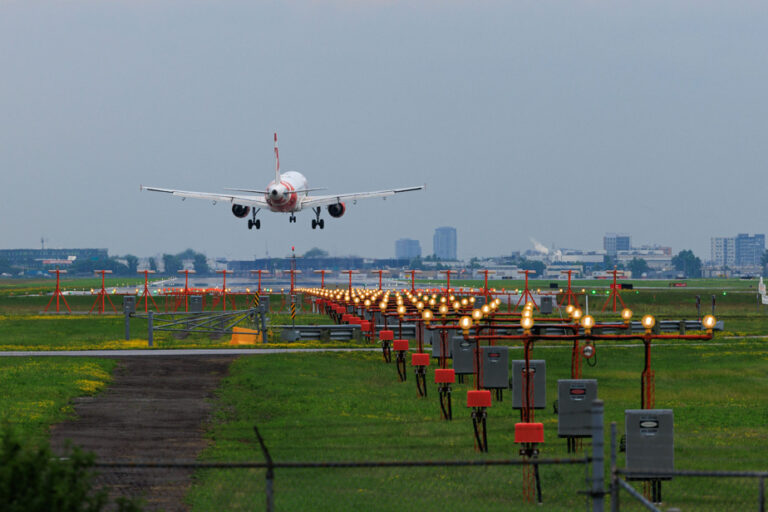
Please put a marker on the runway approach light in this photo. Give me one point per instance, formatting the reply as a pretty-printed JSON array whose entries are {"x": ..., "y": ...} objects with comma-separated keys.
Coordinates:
[
  {"x": 709, "y": 322},
  {"x": 648, "y": 322},
  {"x": 465, "y": 323},
  {"x": 626, "y": 315},
  {"x": 587, "y": 323}
]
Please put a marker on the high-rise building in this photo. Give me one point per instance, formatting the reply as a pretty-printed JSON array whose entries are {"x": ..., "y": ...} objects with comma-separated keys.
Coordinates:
[
  {"x": 749, "y": 249},
  {"x": 444, "y": 243},
  {"x": 407, "y": 249},
  {"x": 614, "y": 242},
  {"x": 739, "y": 251},
  {"x": 723, "y": 251}
]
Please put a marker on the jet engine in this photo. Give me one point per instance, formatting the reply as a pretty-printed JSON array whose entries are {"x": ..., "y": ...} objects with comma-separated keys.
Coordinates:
[
  {"x": 336, "y": 210},
  {"x": 240, "y": 211}
]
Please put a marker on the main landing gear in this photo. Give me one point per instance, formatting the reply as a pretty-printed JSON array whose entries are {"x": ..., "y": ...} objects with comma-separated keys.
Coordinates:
[
  {"x": 254, "y": 222},
  {"x": 292, "y": 218},
  {"x": 317, "y": 221}
]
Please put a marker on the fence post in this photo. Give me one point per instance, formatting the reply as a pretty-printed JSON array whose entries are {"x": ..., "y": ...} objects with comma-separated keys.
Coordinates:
[
  {"x": 598, "y": 457},
  {"x": 614, "y": 475},
  {"x": 150, "y": 326},
  {"x": 127, "y": 325},
  {"x": 762, "y": 494},
  {"x": 270, "y": 472}
]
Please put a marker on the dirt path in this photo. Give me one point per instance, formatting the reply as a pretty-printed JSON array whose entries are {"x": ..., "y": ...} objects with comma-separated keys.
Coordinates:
[{"x": 155, "y": 409}]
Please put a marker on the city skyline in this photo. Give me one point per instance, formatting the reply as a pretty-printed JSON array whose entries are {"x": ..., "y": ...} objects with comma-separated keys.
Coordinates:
[{"x": 559, "y": 121}]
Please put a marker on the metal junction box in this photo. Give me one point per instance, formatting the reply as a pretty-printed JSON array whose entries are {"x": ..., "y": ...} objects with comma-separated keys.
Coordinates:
[
  {"x": 538, "y": 369},
  {"x": 463, "y": 352},
  {"x": 196, "y": 304},
  {"x": 494, "y": 367},
  {"x": 129, "y": 304},
  {"x": 437, "y": 349},
  {"x": 650, "y": 440},
  {"x": 574, "y": 399},
  {"x": 545, "y": 305}
]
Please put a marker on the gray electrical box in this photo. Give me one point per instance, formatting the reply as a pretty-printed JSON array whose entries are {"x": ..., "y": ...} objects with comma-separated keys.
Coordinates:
[
  {"x": 196, "y": 304},
  {"x": 463, "y": 352},
  {"x": 538, "y": 369},
  {"x": 545, "y": 305},
  {"x": 129, "y": 304},
  {"x": 479, "y": 301},
  {"x": 437, "y": 348},
  {"x": 650, "y": 441},
  {"x": 574, "y": 399},
  {"x": 430, "y": 335},
  {"x": 494, "y": 367}
]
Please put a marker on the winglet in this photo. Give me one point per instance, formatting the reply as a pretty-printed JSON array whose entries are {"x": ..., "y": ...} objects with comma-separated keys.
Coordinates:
[{"x": 277, "y": 162}]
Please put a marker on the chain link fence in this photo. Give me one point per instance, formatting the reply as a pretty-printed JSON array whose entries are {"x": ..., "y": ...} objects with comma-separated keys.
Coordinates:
[
  {"x": 486, "y": 485},
  {"x": 690, "y": 490}
]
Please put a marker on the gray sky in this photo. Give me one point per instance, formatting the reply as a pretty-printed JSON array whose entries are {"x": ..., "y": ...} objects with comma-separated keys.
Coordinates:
[{"x": 558, "y": 120}]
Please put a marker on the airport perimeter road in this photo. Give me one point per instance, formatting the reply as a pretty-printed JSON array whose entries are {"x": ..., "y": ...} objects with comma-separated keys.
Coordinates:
[{"x": 175, "y": 353}]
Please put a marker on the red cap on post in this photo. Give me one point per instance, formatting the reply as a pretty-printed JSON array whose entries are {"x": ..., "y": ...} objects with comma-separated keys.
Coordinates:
[
  {"x": 445, "y": 376},
  {"x": 420, "y": 359},
  {"x": 529, "y": 432},
  {"x": 478, "y": 398},
  {"x": 400, "y": 344},
  {"x": 386, "y": 335}
]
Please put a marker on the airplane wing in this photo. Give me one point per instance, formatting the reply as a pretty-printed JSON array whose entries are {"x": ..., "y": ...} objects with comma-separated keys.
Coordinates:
[
  {"x": 310, "y": 201},
  {"x": 257, "y": 201}
]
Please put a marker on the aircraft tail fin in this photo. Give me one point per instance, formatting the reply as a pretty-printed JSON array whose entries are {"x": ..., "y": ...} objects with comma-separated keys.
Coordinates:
[{"x": 277, "y": 162}]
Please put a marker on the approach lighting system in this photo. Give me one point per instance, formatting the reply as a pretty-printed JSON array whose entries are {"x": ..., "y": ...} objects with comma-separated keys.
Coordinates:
[
  {"x": 626, "y": 315},
  {"x": 648, "y": 322},
  {"x": 427, "y": 316},
  {"x": 465, "y": 323},
  {"x": 709, "y": 322},
  {"x": 526, "y": 323},
  {"x": 587, "y": 323}
]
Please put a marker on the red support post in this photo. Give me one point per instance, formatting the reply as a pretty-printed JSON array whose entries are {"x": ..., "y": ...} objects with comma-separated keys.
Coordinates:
[
  {"x": 259, "y": 272},
  {"x": 350, "y": 272},
  {"x": 186, "y": 292},
  {"x": 413, "y": 278},
  {"x": 614, "y": 291},
  {"x": 102, "y": 294},
  {"x": 448, "y": 279},
  {"x": 224, "y": 286},
  {"x": 57, "y": 293},
  {"x": 526, "y": 292},
  {"x": 569, "y": 295},
  {"x": 322, "y": 277},
  {"x": 380, "y": 272},
  {"x": 146, "y": 296}
]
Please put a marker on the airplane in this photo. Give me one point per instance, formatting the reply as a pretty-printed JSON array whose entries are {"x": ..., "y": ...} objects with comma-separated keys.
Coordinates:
[{"x": 288, "y": 193}]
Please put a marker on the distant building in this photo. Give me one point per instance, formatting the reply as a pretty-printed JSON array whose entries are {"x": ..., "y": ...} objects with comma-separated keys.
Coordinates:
[
  {"x": 41, "y": 259},
  {"x": 749, "y": 249},
  {"x": 723, "y": 252},
  {"x": 614, "y": 242},
  {"x": 657, "y": 257},
  {"x": 407, "y": 248},
  {"x": 444, "y": 243},
  {"x": 739, "y": 251}
]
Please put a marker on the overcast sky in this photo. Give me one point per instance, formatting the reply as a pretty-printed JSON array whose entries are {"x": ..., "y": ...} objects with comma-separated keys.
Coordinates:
[{"x": 557, "y": 120}]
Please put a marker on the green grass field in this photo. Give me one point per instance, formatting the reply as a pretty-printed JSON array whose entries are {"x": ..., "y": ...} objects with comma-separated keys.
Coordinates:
[
  {"x": 325, "y": 407},
  {"x": 335, "y": 407},
  {"x": 38, "y": 392}
]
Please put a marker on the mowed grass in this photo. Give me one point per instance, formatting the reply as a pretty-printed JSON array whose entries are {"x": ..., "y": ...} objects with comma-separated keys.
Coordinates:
[
  {"x": 340, "y": 407},
  {"x": 37, "y": 392}
]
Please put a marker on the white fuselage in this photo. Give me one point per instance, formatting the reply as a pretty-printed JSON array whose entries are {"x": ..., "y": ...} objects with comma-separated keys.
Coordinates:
[{"x": 286, "y": 195}]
